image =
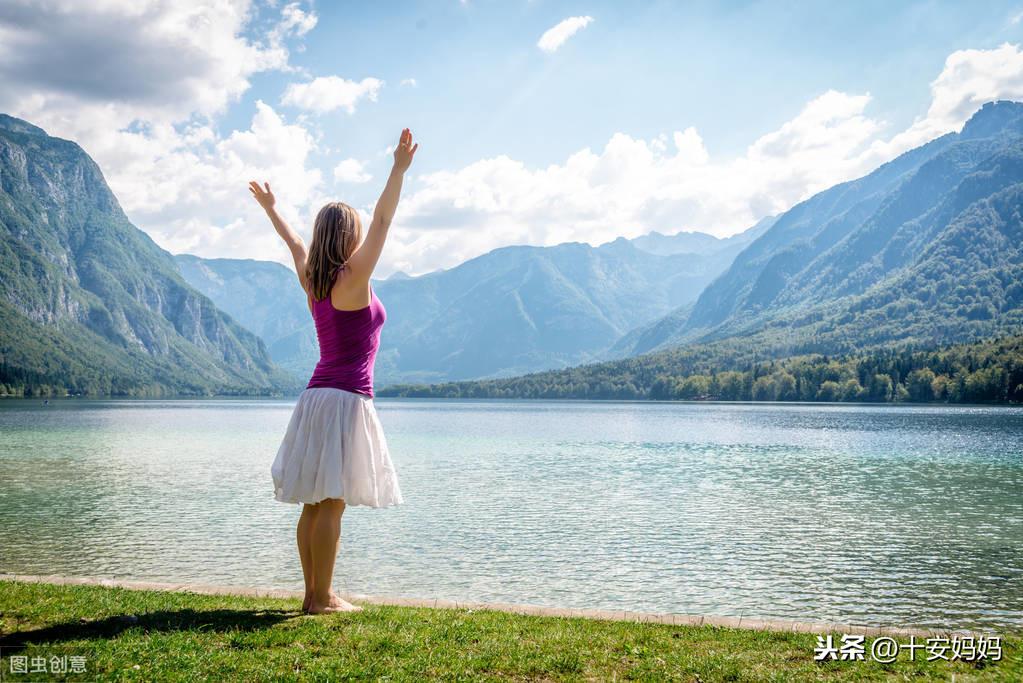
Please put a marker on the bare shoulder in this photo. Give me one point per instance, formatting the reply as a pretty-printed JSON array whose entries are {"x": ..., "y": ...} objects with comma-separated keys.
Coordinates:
[{"x": 350, "y": 292}]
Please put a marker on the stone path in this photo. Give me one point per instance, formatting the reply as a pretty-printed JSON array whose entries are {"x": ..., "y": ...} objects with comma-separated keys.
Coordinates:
[{"x": 612, "y": 615}]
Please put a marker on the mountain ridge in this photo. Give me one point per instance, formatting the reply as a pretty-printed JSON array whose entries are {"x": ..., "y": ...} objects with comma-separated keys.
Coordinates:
[
  {"x": 74, "y": 265},
  {"x": 848, "y": 238},
  {"x": 925, "y": 251},
  {"x": 515, "y": 308}
]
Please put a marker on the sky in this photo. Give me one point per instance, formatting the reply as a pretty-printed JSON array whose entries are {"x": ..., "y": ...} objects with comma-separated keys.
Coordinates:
[{"x": 539, "y": 122}]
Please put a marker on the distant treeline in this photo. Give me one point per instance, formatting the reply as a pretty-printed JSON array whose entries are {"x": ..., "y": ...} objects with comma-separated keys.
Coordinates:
[
  {"x": 70, "y": 360},
  {"x": 19, "y": 382},
  {"x": 981, "y": 372}
]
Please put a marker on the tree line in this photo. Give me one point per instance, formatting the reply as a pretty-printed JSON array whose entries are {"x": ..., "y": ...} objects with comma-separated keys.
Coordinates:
[{"x": 989, "y": 371}]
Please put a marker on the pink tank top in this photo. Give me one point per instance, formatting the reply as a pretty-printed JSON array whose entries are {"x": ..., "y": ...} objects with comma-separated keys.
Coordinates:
[{"x": 348, "y": 345}]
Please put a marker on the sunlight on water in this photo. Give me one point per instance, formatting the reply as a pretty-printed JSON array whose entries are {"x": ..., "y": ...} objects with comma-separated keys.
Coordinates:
[{"x": 865, "y": 514}]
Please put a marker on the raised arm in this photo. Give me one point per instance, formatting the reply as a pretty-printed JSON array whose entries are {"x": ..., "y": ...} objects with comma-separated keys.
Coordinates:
[
  {"x": 365, "y": 258},
  {"x": 291, "y": 238}
]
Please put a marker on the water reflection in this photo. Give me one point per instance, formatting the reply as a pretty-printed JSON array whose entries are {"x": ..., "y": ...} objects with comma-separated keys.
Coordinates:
[{"x": 870, "y": 514}]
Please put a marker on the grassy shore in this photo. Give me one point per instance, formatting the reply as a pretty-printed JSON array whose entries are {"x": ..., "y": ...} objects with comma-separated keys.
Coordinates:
[{"x": 157, "y": 636}]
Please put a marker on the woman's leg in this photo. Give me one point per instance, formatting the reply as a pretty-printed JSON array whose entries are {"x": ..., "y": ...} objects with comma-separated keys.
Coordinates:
[
  {"x": 305, "y": 549},
  {"x": 326, "y": 537}
]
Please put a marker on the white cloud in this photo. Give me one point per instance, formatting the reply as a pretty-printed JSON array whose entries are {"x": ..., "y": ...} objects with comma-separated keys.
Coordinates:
[
  {"x": 671, "y": 182},
  {"x": 970, "y": 78},
  {"x": 351, "y": 171},
  {"x": 160, "y": 60},
  {"x": 630, "y": 187},
  {"x": 140, "y": 86},
  {"x": 188, "y": 190},
  {"x": 555, "y": 37},
  {"x": 294, "y": 22},
  {"x": 327, "y": 93}
]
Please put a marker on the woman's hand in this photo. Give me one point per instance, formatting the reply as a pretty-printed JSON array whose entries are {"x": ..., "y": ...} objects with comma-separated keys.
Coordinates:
[
  {"x": 265, "y": 197},
  {"x": 404, "y": 152},
  {"x": 365, "y": 258},
  {"x": 291, "y": 238}
]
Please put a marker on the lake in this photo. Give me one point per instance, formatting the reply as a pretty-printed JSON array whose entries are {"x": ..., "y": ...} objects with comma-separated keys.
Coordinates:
[{"x": 874, "y": 515}]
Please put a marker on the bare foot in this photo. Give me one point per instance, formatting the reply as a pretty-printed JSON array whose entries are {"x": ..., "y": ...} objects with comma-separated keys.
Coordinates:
[
  {"x": 308, "y": 600},
  {"x": 334, "y": 604},
  {"x": 342, "y": 604}
]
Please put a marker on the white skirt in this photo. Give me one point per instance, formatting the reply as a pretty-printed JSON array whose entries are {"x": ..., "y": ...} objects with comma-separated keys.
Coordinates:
[{"x": 335, "y": 448}]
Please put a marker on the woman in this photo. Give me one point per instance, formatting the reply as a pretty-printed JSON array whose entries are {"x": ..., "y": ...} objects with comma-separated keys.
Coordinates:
[{"x": 334, "y": 453}]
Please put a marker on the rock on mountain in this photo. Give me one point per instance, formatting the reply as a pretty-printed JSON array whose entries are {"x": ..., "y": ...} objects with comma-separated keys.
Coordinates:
[
  {"x": 91, "y": 304},
  {"x": 264, "y": 297}
]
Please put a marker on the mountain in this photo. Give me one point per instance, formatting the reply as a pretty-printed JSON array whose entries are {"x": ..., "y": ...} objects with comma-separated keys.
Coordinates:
[
  {"x": 724, "y": 251},
  {"x": 512, "y": 310},
  {"x": 925, "y": 249},
  {"x": 924, "y": 253},
  {"x": 265, "y": 298},
  {"x": 687, "y": 242},
  {"x": 521, "y": 308},
  {"x": 89, "y": 303},
  {"x": 684, "y": 242}
]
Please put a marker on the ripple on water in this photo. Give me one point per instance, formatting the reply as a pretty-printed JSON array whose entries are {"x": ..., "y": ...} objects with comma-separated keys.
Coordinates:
[{"x": 865, "y": 514}]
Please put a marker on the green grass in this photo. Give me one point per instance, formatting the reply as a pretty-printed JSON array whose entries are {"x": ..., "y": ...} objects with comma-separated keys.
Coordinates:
[{"x": 158, "y": 636}]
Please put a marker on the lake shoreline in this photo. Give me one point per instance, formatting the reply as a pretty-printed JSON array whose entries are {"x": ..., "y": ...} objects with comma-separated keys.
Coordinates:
[
  {"x": 675, "y": 619},
  {"x": 383, "y": 397},
  {"x": 112, "y": 633}
]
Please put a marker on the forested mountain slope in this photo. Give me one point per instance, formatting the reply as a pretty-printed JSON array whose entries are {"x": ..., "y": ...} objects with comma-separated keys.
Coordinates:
[
  {"x": 89, "y": 303},
  {"x": 924, "y": 252},
  {"x": 926, "y": 248}
]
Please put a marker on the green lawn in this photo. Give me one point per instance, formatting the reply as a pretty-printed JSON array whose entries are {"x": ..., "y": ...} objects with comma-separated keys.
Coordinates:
[{"x": 157, "y": 636}]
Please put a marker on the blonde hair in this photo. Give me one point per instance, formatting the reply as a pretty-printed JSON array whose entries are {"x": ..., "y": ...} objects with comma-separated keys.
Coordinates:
[{"x": 336, "y": 233}]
